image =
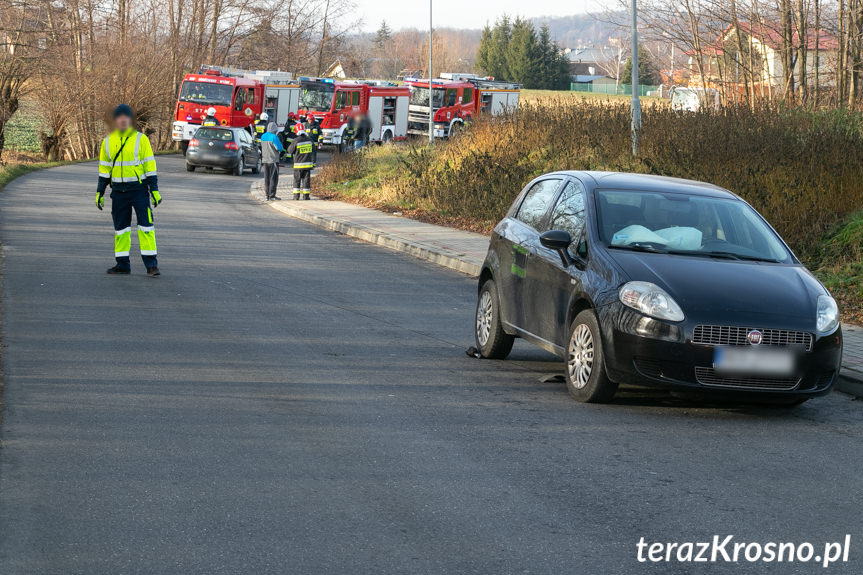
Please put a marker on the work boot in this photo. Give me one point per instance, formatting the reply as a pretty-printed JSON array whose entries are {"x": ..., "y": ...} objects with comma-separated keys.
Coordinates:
[
  {"x": 276, "y": 198},
  {"x": 118, "y": 271},
  {"x": 153, "y": 272},
  {"x": 296, "y": 195},
  {"x": 307, "y": 196}
]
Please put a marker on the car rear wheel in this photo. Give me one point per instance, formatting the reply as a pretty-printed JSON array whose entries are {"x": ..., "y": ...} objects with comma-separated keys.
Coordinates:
[
  {"x": 241, "y": 166},
  {"x": 491, "y": 341},
  {"x": 585, "y": 367},
  {"x": 190, "y": 167}
]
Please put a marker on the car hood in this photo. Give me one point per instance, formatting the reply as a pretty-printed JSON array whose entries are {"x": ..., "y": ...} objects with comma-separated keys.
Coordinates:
[{"x": 727, "y": 292}]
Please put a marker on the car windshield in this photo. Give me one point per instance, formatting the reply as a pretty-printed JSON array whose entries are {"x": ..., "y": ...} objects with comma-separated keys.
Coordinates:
[
  {"x": 214, "y": 134},
  {"x": 684, "y": 224},
  {"x": 317, "y": 98},
  {"x": 206, "y": 93},
  {"x": 420, "y": 96}
]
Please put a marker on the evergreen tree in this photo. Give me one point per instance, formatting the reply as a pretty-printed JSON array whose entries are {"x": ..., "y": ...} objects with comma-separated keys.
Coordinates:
[
  {"x": 383, "y": 36},
  {"x": 647, "y": 75},
  {"x": 512, "y": 50},
  {"x": 482, "y": 53},
  {"x": 547, "y": 54},
  {"x": 497, "y": 60},
  {"x": 523, "y": 57}
]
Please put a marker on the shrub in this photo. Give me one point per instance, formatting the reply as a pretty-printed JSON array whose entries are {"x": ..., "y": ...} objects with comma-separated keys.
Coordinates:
[{"x": 803, "y": 170}]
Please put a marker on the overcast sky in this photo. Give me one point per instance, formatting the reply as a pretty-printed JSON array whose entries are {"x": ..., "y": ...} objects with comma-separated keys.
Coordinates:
[{"x": 464, "y": 13}]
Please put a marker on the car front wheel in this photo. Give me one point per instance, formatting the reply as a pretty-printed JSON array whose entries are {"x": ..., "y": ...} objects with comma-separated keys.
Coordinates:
[
  {"x": 585, "y": 368},
  {"x": 241, "y": 166},
  {"x": 491, "y": 341}
]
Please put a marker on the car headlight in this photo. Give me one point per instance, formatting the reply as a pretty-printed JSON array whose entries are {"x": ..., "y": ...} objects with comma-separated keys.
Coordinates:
[
  {"x": 828, "y": 314},
  {"x": 651, "y": 300}
]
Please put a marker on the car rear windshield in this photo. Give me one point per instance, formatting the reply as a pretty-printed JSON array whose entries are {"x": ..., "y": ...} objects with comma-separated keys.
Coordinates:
[
  {"x": 686, "y": 225},
  {"x": 214, "y": 134}
]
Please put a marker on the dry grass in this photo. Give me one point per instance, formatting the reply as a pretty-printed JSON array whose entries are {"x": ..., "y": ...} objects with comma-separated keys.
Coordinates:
[{"x": 802, "y": 170}]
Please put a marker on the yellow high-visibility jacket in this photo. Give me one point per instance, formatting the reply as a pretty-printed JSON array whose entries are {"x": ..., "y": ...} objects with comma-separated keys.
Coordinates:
[{"x": 126, "y": 162}]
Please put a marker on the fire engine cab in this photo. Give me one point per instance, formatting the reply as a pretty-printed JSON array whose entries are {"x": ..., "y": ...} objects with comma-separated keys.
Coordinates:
[
  {"x": 457, "y": 98},
  {"x": 237, "y": 96},
  {"x": 334, "y": 103}
]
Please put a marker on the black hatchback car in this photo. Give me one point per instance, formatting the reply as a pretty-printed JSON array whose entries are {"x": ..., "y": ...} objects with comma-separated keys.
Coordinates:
[
  {"x": 231, "y": 149},
  {"x": 645, "y": 280}
]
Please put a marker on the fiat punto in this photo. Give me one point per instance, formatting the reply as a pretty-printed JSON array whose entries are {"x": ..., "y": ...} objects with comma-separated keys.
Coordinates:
[{"x": 646, "y": 280}]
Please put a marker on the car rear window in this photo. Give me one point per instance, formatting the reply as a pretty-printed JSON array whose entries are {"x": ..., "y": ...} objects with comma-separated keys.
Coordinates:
[{"x": 214, "y": 134}]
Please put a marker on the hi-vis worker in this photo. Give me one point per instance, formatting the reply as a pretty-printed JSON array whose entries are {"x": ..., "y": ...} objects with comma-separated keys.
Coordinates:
[
  {"x": 301, "y": 151},
  {"x": 260, "y": 125},
  {"x": 210, "y": 120},
  {"x": 127, "y": 164}
]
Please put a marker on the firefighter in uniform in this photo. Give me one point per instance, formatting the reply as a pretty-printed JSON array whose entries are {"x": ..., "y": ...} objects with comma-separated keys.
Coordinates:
[
  {"x": 301, "y": 151},
  {"x": 288, "y": 134},
  {"x": 314, "y": 132},
  {"x": 260, "y": 125},
  {"x": 210, "y": 120},
  {"x": 348, "y": 135},
  {"x": 127, "y": 164}
]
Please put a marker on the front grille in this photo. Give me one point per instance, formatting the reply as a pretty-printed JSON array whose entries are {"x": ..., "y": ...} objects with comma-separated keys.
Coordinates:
[
  {"x": 707, "y": 376},
  {"x": 729, "y": 335}
]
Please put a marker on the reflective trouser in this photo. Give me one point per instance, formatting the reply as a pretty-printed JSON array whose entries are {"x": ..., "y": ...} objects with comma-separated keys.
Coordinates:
[
  {"x": 303, "y": 180},
  {"x": 122, "y": 204}
]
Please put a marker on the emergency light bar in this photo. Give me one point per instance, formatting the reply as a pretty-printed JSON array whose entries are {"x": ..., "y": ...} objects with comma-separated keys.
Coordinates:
[{"x": 312, "y": 79}]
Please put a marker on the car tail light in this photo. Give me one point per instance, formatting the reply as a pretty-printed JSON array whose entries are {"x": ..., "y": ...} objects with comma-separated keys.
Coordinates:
[
  {"x": 231, "y": 146},
  {"x": 193, "y": 143}
]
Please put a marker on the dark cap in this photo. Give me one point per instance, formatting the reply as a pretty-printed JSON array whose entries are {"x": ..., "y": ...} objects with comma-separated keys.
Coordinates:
[{"x": 123, "y": 110}]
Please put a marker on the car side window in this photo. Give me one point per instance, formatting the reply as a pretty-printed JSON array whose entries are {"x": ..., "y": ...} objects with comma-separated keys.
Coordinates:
[
  {"x": 568, "y": 214},
  {"x": 536, "y": 201}
]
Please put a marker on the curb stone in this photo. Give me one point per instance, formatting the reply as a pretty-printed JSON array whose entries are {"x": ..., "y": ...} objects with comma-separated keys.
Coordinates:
[{"x": 437, "y": 254}]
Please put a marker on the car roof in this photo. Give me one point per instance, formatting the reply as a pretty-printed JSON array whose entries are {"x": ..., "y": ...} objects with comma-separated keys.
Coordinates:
[{"x": 649, "y": 183}]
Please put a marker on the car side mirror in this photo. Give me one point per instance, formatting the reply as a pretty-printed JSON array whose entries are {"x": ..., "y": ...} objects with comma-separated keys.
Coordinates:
[
  {"x": 559, "y": 241},
  {"x": 555, "y": 240}
]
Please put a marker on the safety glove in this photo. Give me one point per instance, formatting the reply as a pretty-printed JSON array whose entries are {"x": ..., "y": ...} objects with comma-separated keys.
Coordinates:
[
  {"x": 100, "y": 200},
  {"x": 157, "y": 197}
]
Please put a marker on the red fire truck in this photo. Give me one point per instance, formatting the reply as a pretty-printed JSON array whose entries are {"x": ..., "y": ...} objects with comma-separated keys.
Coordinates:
[
  {"x": 237, "y": 96},
  {"x": 456, "y": 99},
  {"x": 335, "y": 102}
]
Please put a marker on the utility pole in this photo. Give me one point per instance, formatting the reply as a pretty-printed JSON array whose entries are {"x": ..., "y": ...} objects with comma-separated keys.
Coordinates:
[
  {"x": 431, "y": 76},
  {"x": 636, "y": 102}
]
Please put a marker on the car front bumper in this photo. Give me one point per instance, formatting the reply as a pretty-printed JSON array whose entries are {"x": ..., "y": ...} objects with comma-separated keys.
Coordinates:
[{"x": 644, "y": 351}]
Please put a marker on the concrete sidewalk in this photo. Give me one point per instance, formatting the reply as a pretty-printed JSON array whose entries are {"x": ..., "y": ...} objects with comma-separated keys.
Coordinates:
[
  {"x": 450, "y": 248},
  {"x": 465, "y": 252}
]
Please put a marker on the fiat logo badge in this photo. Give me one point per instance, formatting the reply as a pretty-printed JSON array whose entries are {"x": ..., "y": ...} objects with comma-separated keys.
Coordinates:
[{"x": 754, "y": 337}]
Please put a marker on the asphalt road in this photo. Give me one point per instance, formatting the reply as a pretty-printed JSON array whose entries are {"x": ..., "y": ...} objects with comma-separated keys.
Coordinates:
[{"x": 287, "y": 400}]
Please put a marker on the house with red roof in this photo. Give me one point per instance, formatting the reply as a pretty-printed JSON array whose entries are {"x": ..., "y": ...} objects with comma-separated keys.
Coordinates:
[{"x": 725, "y": 65}]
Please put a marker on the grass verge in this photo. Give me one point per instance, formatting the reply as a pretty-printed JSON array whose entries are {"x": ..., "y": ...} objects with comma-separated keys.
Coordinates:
[{"x": 802, "y": 170}]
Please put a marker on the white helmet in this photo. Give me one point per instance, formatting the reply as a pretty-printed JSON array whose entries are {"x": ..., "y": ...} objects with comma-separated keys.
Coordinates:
[
  {"x": 211, "y": 111},
  {"x": 264, "y": 116}
]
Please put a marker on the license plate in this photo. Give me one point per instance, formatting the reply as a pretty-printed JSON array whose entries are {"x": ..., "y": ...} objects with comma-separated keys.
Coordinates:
[{"x": 752, "y": 361}]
